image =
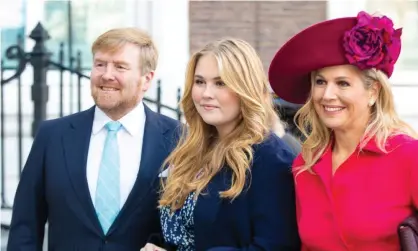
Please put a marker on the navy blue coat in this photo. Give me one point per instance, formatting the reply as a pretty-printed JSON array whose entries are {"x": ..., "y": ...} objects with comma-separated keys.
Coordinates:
[
  {"x": 263, "y": 217},
  {"x": 54, "y": 188}
]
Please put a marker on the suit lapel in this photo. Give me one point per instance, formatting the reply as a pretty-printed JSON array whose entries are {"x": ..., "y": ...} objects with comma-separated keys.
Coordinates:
[
  {"x": 154, "y": 152},
  {"x": 76, "y": 144}
]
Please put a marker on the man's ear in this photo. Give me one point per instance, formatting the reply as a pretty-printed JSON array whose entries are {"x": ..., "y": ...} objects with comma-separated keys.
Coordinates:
[{"x": 147, "y": 80}]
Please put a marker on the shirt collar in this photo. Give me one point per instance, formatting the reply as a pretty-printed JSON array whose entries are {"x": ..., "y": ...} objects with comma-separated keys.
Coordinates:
[{"x": 133, "y": 122}]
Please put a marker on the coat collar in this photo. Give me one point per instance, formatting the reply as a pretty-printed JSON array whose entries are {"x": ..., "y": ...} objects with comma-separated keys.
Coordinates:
[{"x": 323, "y": 167}]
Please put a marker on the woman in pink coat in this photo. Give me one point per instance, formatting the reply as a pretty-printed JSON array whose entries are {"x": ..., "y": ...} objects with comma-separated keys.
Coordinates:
[{"x": 357, "y": 176}]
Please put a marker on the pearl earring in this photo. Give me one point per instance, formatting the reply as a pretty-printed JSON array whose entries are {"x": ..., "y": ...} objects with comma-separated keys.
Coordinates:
[{"x": 371, "y": 103}]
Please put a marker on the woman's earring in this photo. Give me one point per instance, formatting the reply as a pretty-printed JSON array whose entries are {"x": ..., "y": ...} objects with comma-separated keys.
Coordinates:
[{"x": 371, "y": 102}]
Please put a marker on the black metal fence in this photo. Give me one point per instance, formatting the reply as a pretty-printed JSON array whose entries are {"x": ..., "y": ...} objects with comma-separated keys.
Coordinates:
[{"x": 40, "y": 61}]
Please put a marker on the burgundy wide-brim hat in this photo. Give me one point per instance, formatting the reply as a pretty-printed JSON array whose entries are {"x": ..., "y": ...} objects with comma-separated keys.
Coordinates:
[{"x": 328, "y": 44}]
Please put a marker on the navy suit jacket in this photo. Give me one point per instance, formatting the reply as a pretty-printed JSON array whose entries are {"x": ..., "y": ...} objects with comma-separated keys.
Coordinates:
[
  {"x": 53, "y": 188},
  {"x": 263, "y": 217}
]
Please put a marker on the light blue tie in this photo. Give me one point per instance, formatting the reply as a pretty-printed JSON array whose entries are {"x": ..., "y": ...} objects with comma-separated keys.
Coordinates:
[{"x": 107, "y": 200}]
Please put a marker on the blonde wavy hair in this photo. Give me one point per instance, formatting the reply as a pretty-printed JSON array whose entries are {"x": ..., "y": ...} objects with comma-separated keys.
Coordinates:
[
  {"x": 200, "y": 155},
  {"x": 384, "y": 122}
]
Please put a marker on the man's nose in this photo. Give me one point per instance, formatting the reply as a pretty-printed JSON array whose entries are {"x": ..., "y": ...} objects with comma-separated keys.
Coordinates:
[{"x": 108, "y": 74}]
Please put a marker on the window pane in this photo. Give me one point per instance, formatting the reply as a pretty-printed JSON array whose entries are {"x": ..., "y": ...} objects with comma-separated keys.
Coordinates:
[
  {"x": 89, "y": 20},
  {"x": 13, "y": 25}
]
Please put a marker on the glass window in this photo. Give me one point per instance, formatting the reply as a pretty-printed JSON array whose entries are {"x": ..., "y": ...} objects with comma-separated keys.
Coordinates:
[
  {"x": 404, "y": 14},
  {"x": 89, "y": 19},
  {"x": 12, "y": 25}
]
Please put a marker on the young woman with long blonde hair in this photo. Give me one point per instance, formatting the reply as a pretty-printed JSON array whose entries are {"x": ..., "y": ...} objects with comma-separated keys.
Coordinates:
[{"x": 229, "y": 184}]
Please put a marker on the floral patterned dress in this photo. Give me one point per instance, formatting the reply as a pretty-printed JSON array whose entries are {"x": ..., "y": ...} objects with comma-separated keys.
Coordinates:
[{"x": 178, "y": 228}]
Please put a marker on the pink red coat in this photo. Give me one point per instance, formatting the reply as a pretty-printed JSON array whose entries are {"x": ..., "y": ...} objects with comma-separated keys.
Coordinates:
[{"x": 360, "y": 207}]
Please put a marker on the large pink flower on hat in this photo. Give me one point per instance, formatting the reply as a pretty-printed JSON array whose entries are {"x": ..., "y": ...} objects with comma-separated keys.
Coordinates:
[{"x": 373, "y": 42}]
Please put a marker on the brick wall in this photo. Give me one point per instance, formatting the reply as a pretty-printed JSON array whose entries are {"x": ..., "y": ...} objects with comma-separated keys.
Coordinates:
[{"x": 264, "y": 24}]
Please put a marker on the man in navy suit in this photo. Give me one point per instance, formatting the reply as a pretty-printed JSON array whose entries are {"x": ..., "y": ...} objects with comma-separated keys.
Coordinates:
[{"x": 93, "y": 175}]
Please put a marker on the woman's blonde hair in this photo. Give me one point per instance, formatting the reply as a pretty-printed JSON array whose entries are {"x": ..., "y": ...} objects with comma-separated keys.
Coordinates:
[
  {"x": 384, "y": 122},
  {"x": 199, "y": 154}
]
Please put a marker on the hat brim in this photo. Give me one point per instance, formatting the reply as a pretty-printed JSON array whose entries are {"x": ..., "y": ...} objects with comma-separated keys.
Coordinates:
[{"x": 314, "y": 48}]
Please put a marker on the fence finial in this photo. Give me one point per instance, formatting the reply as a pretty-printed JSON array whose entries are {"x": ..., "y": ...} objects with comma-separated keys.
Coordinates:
[{"x": 40, "y": 36}]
